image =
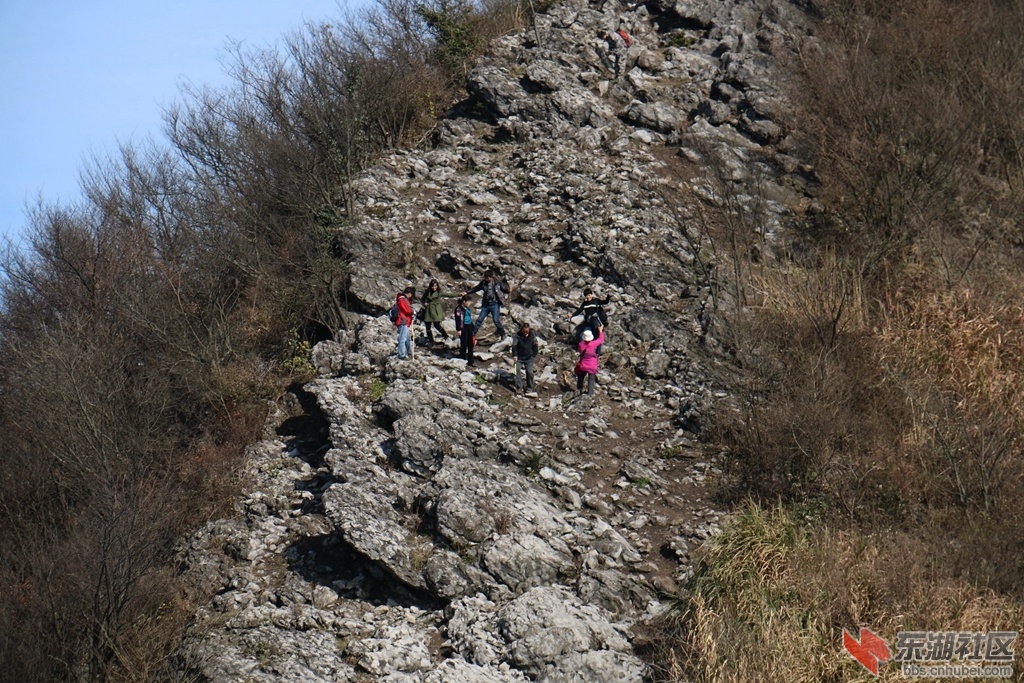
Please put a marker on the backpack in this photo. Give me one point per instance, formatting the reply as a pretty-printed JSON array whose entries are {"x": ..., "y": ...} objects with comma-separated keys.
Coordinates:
[
  {"x": 627, "y": 39},
  {"x": 393, "y": 313}
]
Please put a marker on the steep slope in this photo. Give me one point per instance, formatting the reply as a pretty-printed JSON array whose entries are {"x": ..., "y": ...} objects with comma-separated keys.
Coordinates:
[{"x": 447, "y": 529}]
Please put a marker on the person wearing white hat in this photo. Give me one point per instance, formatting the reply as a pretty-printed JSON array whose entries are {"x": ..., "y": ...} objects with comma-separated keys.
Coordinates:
[{"x": 587, "y": 366}]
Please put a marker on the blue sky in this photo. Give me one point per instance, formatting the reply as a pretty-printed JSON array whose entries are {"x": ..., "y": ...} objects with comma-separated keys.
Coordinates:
[{"x": 77, "y": 78}]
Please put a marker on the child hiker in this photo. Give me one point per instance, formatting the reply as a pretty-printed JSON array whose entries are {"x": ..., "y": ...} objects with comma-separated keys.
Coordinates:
[{"x": 464, "y": 325}]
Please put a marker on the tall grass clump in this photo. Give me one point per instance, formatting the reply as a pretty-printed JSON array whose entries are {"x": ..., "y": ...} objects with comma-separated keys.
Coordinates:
[{"x": 771, "y": 595}]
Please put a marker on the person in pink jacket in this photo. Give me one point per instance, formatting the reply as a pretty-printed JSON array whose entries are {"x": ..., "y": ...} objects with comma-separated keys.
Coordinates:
[{"x": 587, "y": 365}]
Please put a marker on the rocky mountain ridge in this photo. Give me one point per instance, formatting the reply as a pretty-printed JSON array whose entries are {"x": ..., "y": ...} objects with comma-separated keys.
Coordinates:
[{"x": 418, "y": 521}]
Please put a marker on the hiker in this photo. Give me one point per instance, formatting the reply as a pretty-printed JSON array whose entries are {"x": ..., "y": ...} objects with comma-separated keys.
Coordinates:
[
  {"x": 586, "y": 367},
  {"x": 494, "y": 291},
  {"x": 403, "y": 321},
  {"x": 433, "y": 309},
  {"x": 464, "y": 325},
  {"x": 524, "y": 353},
  {"x": 592, "y": 310},
  {"x": 616, "y": 44}
]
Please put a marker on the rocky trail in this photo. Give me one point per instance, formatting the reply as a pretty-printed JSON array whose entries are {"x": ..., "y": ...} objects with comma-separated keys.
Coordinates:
[{"x": 417, "y": 520}]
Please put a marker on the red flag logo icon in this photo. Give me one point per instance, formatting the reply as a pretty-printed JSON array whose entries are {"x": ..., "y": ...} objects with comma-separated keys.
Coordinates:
[{"x": 869, "y": 650}]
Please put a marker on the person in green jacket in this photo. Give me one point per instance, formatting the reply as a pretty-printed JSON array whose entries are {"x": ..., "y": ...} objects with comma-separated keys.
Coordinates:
[{"x": 433, "y": 309}]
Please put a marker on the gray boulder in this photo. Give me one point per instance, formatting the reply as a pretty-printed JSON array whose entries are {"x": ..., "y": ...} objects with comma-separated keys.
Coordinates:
[
  {"x": 495, "y": 88},
  {"x": 364, "y": 514},
  {"x": 656, "y": 365},
  {"x": 524, "y": 561},
  {"x": 658, "y": 116},
  {"x": 548, "y": 634},
  {"x": 420, "y": 444}
]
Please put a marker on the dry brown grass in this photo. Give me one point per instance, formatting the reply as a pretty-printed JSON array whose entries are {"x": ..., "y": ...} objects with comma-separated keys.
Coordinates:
[
  {"x": 900, "y": 426},
  {"x": 775, "y": 590},
  {"x": 828, "y": 294},
  {"x": 884, "y": 363},
  {"x": 957, "y": 355}
]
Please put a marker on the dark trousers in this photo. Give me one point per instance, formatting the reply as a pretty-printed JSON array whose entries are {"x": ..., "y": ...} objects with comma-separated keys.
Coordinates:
[
  {"x": 590, "y": 379},
  {"x": 430, "y": 333},
  {"x": 466, "y": 344}
]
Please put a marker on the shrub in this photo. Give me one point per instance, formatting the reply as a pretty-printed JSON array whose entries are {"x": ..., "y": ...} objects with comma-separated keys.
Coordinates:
[
  {"x": 449, "y": 24},
  {"x": 297, "y": 360},
  {"x": 679, "y": 39},
  {"x": 377, "y": 389}
]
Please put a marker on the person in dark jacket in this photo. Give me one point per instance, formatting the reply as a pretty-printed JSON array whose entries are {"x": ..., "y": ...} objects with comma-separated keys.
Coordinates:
[
  {"x": 592, "y": 310},
  {"x": 524, "y": 353},
  {"x": 433, "y": 309},
  {"x": 594, "y": 316},
  {"x": 494, "y": 291},
  {"x": 464, "y": 325}
]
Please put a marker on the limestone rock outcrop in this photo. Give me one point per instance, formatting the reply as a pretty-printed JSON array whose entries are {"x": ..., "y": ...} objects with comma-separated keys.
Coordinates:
[{"x": 429, "y": 524}]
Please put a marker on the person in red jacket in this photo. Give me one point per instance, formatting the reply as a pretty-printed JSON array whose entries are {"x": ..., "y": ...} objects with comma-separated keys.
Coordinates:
[{"x": 403, "y": 321}]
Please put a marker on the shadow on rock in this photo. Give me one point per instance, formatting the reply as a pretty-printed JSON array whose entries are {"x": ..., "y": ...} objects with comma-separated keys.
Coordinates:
[
  {"x": 306, "y": 432},
  {"x": 330, "y": 561}
]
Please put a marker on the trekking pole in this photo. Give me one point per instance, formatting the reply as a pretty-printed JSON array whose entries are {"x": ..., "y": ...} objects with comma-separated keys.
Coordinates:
[{"x": 536, "y": 30}]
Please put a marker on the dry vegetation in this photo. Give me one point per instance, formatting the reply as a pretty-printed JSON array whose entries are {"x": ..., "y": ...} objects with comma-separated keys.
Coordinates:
[
  {"x": 879, "y": 445},
  {"x": 143, "y": 329},
  {"x": 779, "y": 585}
]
